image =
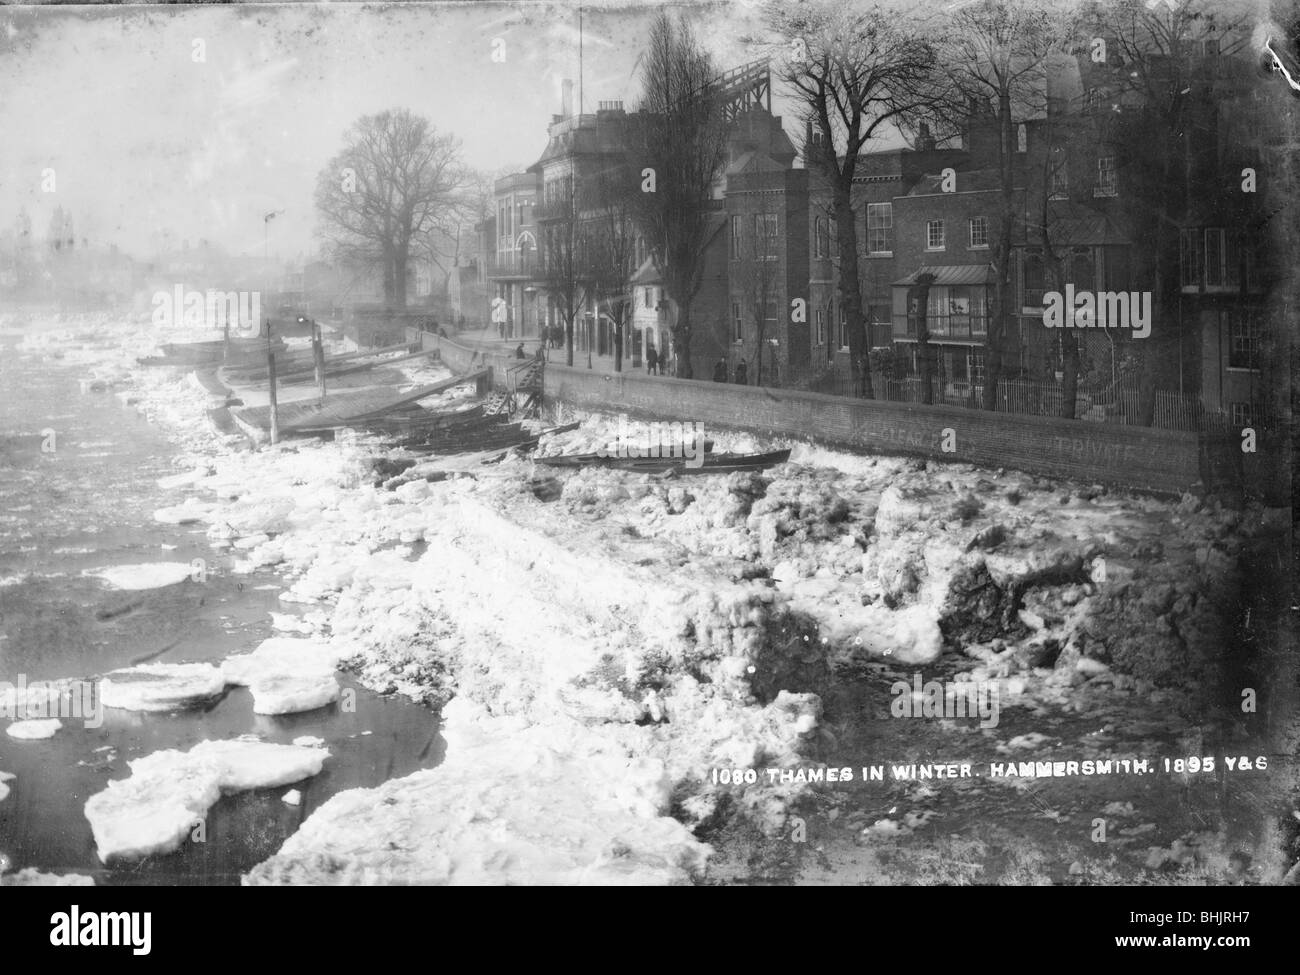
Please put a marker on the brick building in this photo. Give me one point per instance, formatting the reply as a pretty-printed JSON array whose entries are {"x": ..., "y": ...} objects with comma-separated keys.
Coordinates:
[
  {"x": 508, "y": 241},
  {"x": 767, "y": 254}
]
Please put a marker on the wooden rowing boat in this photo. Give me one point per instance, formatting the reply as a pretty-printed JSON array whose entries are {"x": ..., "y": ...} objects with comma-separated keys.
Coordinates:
[
  {"x": 594, "y": 459},
  {"x": 712, "y": 464},
  {"x": 298, "y": 363},
  {"x": 342, "y": 409},
  {"x": 423, "y": 421}
]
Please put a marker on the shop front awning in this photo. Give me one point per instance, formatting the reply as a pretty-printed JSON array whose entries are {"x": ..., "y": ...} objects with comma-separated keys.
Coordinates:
[{"x": 951, "y": 274}]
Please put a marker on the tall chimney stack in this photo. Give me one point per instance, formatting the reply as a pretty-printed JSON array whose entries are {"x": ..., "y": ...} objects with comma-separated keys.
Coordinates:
[{"x": 566, "y": 98}]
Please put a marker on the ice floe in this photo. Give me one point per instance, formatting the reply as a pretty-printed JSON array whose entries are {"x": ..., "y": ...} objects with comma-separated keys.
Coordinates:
[
  {"x": 286, "y": 675},
  {"x": 146, "y": 575},
  {"x": 34, "y": 729},
  {"x": 161, "y": 687},
  {"x": 188, "y": 513},
  {"x": 169, "y": 792}
]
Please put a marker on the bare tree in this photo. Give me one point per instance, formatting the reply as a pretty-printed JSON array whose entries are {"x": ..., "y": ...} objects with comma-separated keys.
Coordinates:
[
  {"x": 1165, "y": 108},
  {"x": 566, "y": 252},
  {"x": 756, "y": 272},
  {"x": 611, "y": 235},
  {"x": 994, "y": 64},
  {"x": 383, "y": 195},
  {"x": 856, "y": 71},
  {"x": 678, "y": 147}
]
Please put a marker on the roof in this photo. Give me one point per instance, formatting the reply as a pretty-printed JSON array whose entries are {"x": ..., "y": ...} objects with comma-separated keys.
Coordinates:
[
  {"x": 645, "y": 274},
  {"x": 1075, "y": 225},
  {"x": 968, "y": 181},
  {"x": 951, "y": 274}
]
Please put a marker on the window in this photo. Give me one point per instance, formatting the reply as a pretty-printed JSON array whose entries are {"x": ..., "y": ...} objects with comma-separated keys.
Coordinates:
[
  {"x": 1191, "y": 257},
  {"x": 1022, "y": 138},
  {"x": 844, "y": 329},
  {"x": 979, "y": 231},
  {"x": 821, "y": 326},
  {"x": 1116, "y": 266},
  {"x": 1081, "y": 271},
  {"x": 1033, "y": 297},
  {"x": 976, "y": 367},
  {"x": 735, "y": 238},
  {"x": 880, "y": 224},
  {"x": 822, "y": 237},
  {"x": 934, "y": 238},
  {"x": 765, "y": 234},
  {"x": 1209, "y": 258},
  {"x": 1214, "y": 254},
  {"x": 1106, "y": 180},
  {"x": 737, "y": 323},
  {"x": 958, "y": 311},
  {"x": 1058, "y": 187},
  {"x": 1243, "y": 340},
  {"x": 648, "y": 298}
]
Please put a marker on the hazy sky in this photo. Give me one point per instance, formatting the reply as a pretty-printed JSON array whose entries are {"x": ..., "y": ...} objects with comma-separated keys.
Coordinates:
[{"x": 142, "y": 138}]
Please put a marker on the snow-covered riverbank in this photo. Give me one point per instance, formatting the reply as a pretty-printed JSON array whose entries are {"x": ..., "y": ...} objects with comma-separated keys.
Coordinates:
[{"x": 607, "y": 639}]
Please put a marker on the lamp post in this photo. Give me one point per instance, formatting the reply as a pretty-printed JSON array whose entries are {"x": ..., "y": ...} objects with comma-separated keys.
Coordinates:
[{"x": 266, "y": 234}]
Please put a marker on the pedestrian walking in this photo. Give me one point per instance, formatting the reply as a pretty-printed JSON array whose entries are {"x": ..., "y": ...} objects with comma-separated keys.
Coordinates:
[
  {"x": 720, "y": 371},
  {"x": 519, "y": 351},
  {"x": 651, "y": 361},
  {"x": 742, "y": 373}
]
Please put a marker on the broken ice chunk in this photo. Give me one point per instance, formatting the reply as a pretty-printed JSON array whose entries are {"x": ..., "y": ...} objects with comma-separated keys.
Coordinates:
[
  {"x": 147, "y": 575},
  {"x": 161, "y": 687},
  {"x": 168, "y": 793},
  {"x": 34, "y": 729}
]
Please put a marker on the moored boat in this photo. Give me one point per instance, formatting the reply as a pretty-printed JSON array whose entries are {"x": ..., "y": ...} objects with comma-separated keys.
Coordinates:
[{"x": 712, "y": 463}]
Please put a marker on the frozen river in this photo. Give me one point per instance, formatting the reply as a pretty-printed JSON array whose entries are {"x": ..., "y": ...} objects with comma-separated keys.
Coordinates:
[{"x": 88, "y": 504}]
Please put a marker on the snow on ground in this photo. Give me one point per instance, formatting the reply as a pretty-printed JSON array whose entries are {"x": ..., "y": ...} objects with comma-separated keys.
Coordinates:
[
  {"x": 161, "y": 687},
  {"x": 514, "y": 803},
  {"x": 35, "y": 729},
  {"x": 148, "y": 575},
  {"x": 31, "y": 877},
  {"x": 677, "y": 624},
  {"x": 5, "y": 777},
  {"x": 169, "y": 792}
]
